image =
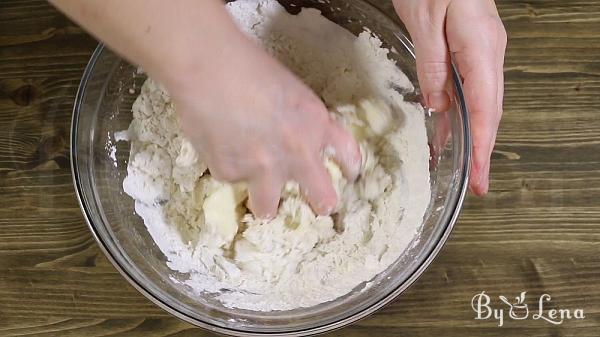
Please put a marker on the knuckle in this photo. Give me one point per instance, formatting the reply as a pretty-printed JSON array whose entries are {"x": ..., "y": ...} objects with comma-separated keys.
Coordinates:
[
  {"x": 304, "y": 152},
  {"x": 498, "y": 117},
  {"x": 264, "y": 162},
  {"x": 491, "y": 25},
  {"x": 317, "y": 113},
  {"x": 295, "y": 144},
  {"x": 489, "y": 35},
  {"x": 225, "y": 172},
  {"x": 432, "y": 14},
  {"x": 421, "y": 15},
  {"x": 289, "y": 138},
  {"x": 503, "y": 34},
  {"x": 435, "y": 72},
  {"x": 305, "y": 101},
  {"x": 488, "y": 24}
]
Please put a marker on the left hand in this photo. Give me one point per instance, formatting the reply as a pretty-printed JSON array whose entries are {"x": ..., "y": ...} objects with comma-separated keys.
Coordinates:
[{"x": 472, "y": 32}]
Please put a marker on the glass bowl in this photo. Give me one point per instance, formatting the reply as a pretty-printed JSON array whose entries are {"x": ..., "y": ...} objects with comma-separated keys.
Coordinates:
[{"x": 99, "y": 163}]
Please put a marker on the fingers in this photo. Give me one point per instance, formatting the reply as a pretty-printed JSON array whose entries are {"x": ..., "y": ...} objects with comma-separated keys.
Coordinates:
[
  {"x": 500, "y": 51},
  {"x": 481, "y": 90},
  {"x": 310, "y": 173},
  {"x": 426, "y": 26},
  {"x": 475, "y": 47},
  {"x": 472, "y": 31},
  {"x": 315, "y": 184},
  {"x": 346, "y": 152},
  {"x": 264, "y": 193}
]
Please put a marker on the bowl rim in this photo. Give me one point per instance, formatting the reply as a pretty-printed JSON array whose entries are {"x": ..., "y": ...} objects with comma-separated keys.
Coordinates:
[{"x": 330, "y": 326}]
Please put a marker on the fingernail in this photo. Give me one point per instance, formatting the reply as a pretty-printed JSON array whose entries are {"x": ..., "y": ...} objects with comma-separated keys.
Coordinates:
[
  {"x": 355, "y": 168},
  {"x": 477, "y": 179},
  {"x": 352, "y": 161},
  {"x": 270, "y": 215},
  {"x": 484, "y": 180},
  {"x": 484, "y": 186},
  {"x": 438, "y": 100},
  {"x": 266, "y": 217},
  {"x": 325, "y": 209}
]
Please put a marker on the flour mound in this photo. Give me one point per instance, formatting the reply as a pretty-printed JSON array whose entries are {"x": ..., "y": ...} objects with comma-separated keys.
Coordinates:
[{"x": 297, "y": 259}]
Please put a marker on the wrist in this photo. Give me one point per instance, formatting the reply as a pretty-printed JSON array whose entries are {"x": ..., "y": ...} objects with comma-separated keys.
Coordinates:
[
  {"x": 199, "y": 70},
  {"x": 195, "y": 49}
]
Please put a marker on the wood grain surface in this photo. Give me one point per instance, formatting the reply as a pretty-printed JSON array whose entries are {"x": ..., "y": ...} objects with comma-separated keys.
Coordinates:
[{"x": 537, "y": 231}]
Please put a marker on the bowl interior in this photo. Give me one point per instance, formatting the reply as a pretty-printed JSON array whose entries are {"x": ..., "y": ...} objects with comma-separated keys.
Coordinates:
[{"x": 108, "y": 89}]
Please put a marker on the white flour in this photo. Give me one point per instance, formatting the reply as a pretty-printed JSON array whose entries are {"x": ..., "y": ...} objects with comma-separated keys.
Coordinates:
[{"x": 297, "y": 259}]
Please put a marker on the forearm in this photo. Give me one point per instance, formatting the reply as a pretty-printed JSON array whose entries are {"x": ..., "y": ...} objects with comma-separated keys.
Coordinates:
[{"x": 164, "y": 37}]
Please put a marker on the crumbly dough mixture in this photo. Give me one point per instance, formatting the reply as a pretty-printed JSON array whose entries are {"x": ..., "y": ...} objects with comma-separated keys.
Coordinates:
[{"x": 297, "y": 259}]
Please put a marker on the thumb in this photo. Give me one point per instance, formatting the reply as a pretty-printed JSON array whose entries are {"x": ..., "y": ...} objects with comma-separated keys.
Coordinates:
[
  {"x": 345, "y": 150},
  {"x": 263, "y": 196},
  {"x": 426, "y": 28}
]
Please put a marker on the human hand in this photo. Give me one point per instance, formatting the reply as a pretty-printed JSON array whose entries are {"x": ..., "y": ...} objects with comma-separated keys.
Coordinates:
[
  {"x": 252, "y": 120},
  {"x": 472, "y": 32},
  {"x": 248, "y": 116}
]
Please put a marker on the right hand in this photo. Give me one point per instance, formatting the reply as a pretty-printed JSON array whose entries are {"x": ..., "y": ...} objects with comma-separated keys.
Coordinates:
[{"x": 251, "y": 120}]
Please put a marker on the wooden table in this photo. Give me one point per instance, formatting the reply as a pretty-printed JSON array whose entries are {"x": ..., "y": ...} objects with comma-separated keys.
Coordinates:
[{"x": 537, "y": 231}]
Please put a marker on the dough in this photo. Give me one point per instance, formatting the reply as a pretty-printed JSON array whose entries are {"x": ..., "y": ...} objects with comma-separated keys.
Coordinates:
[{"x": 297, "y": 259}]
